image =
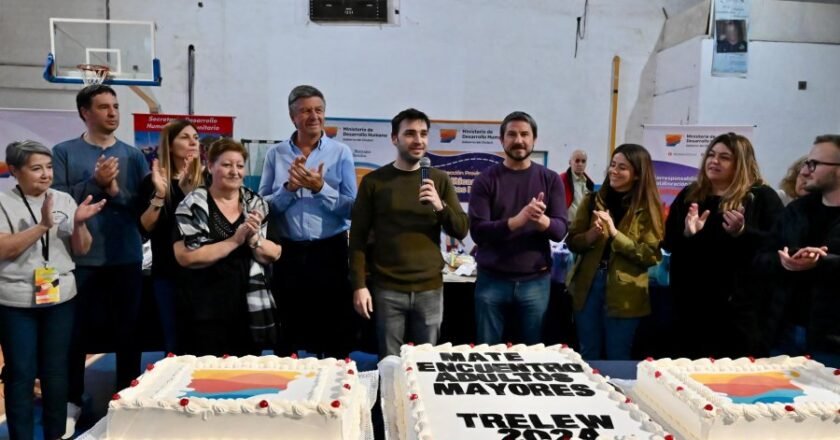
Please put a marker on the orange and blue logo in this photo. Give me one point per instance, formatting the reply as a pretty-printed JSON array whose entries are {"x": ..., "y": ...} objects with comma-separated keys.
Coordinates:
[
  {"x": 238, "y": 384},
  {"x": 331, "y": 131},
  {"x": 448, "y": 135},
  {"x": 749, "y": 388},
  {"x": 672, "y": 140}
]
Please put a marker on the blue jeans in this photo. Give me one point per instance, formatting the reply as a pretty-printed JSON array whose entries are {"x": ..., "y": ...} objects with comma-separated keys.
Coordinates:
[
  {"x": 36, "y": 342},
  {"x": 164, "y": 290},
  {"x": 596, "y": 330},
  {"x": 493, "y": 295}
]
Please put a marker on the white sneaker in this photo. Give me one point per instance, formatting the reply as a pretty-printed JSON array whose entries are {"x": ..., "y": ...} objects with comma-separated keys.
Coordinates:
[{"x": 73, "y": 413}]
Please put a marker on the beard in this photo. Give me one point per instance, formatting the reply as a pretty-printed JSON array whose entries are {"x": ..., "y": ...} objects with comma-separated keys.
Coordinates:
[
  {"x": 408, "y": 158},
  {"x": 518, "y": 152}
]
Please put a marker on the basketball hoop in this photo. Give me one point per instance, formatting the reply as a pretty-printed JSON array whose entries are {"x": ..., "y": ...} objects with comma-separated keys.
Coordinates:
[{"x": 93, "y": 73}]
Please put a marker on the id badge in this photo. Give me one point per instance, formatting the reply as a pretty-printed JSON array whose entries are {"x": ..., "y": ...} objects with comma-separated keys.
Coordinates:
[{"x": 46, "y": 285}]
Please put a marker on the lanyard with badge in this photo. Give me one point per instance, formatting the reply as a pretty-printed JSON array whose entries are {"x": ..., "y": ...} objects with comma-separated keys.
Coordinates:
[{"x": 46, "y": 277}]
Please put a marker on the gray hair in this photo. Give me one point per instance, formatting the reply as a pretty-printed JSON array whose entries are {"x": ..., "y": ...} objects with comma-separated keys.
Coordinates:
[
  {"x": 18, "y": 153},
  {"x": 304, "y": 91}
]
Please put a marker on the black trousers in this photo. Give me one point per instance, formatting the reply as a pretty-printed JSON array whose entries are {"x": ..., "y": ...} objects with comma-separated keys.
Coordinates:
[{"x": 314, "y": 300}]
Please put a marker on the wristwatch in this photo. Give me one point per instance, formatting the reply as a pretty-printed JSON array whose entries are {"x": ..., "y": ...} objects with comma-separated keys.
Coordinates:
[{"x": 156, "y": 203}]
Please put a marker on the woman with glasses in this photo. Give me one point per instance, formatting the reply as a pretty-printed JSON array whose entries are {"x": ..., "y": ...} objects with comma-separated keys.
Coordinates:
[{"x": 714, "y": 228}]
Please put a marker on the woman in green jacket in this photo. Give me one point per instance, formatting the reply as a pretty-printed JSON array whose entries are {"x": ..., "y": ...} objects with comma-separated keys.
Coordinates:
[{"x": 615, "y": 238}]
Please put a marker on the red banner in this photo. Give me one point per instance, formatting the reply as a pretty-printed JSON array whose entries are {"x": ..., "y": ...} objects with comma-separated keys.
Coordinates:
[{"x": 147, "y": 129}]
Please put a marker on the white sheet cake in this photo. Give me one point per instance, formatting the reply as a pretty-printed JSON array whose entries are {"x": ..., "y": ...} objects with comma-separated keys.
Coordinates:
[
  {"x": 509, "y": 392},
  {"x": 185, "y": 397},
  {"x": 742, "y": 399}
]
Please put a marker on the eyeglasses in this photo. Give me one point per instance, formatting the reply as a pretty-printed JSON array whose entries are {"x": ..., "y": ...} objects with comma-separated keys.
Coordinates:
[{"x": 811, "y": 164}]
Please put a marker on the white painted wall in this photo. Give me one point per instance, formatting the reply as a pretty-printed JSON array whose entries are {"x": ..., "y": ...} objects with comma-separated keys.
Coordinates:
[
  {"x": 677, "y": 91},
  {"x": 788, "y": 119},
  {"x": 454, "y": 59}
]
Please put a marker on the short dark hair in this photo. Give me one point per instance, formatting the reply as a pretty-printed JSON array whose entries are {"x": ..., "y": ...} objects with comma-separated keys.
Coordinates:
[
  {"x": 84, "y": 99},
  {"x": 518, "y": 116},
  {"x": 830, "y": 138},
  {"x": 304, "y": 91},
  {"x": 224, "y": 145},
  {"x": 409, "y": 114}
]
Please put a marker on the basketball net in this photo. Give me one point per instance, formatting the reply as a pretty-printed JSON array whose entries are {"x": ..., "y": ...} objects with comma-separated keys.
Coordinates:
[{"x": 93, "y": 73}]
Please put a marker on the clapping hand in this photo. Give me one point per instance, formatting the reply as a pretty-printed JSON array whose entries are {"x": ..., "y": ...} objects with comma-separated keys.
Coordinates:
[
  {"x": 300, "y": 176},
  {"x": 254, "y": 222},
  {"x": 249, "y": 228},
  {"x": 86, "y": 210},
  {"x": 105, "y": 174},
  {"x": 158, "y": 180},
  {"x": 533, "y": 212},
  {"x": 596, "y": 231},
  {"x": 183, "y": 176},
  {"x": 606, "y": 222},
  {"x": 693, "y": 222},
  {"x": 46, "y": 211},
  {"x": 804, "y": 259},
  {"x": 733, "y": 221}
]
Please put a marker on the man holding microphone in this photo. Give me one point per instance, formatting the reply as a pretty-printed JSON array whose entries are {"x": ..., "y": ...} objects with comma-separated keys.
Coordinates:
[{"x": 395, "y": 236}]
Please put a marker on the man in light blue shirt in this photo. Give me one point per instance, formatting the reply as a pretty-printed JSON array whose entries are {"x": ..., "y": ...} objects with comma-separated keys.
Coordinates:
[{"x": 310, "y": 183}]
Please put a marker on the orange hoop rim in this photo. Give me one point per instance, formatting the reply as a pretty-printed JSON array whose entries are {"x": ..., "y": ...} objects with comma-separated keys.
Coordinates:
[{"x": 93, "y": 68}]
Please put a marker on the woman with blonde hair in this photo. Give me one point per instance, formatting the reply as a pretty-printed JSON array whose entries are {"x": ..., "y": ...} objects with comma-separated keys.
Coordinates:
[
  {"x": 714, "y": 228},
  {"x": 615, "y": 235},
  {"x": 176, "y": 171},
  {"x": 792, "y": 185}
]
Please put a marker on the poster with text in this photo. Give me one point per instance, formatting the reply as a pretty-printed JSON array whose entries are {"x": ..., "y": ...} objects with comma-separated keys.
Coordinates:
[
  {"x": 677, "y": 153},
  {"x": 461, "y": 148},
  {"x": 147, "y": 129},
  {"x": 731, "y": 42}
]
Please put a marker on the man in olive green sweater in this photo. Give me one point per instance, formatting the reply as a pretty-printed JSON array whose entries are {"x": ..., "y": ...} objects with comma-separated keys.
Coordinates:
[{"x": 395, "y": 235}]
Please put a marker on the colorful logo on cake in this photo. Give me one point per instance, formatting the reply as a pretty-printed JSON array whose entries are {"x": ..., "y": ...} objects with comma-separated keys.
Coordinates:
[
  {"x": 749, "y": 388},
  {"x": 672, "y": 140},
  {"x": 448, "y": 135},
  {"x": 238, "y": 384},
  {"x": 331, "y": 131}
]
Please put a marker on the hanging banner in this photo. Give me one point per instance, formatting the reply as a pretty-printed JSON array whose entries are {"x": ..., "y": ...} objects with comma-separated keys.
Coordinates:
[
  {"x": 461, "y": 148},
  {"x": 147, "y": 129},
  {"x": 730, "y": 38},
  {"x": 677, "y": 153},
  {"x": 49, "y": 127}
]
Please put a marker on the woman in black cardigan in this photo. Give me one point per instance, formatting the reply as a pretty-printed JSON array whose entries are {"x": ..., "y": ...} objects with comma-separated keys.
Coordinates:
[{"x": 714, "y": 228}]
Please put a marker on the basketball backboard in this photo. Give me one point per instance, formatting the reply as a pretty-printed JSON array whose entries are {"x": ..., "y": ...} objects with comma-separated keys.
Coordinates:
[{"x": 127, "y": 48}]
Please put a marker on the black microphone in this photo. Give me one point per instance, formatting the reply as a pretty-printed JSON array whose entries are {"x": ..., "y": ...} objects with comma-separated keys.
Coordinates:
[{"x": 425, "y": 163}]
